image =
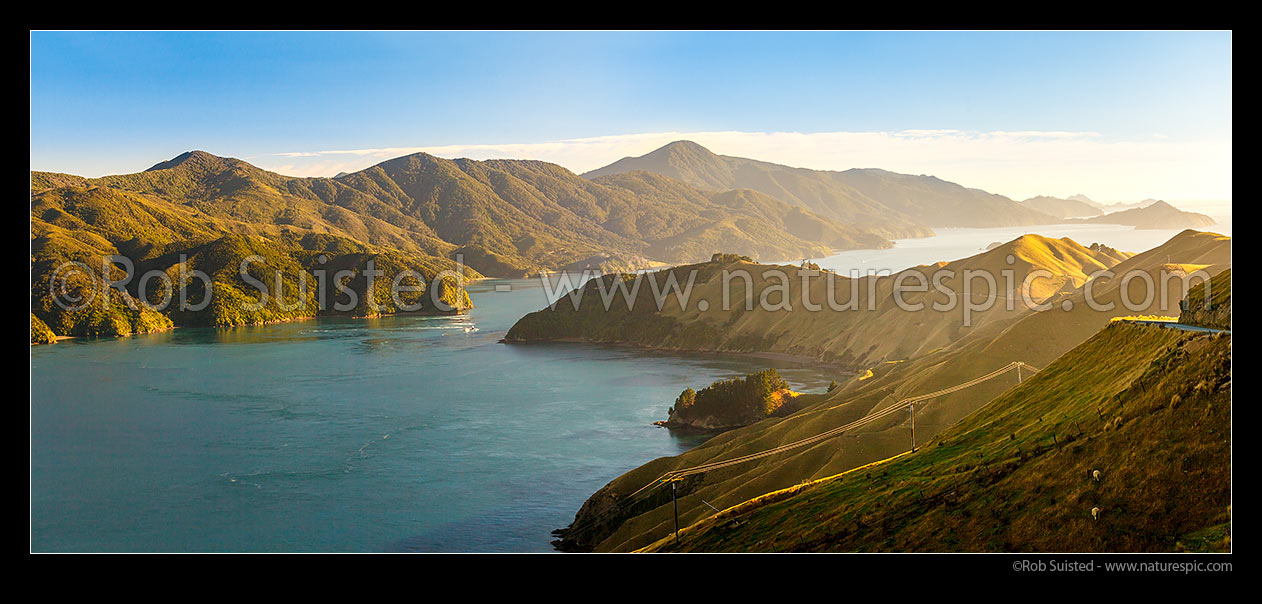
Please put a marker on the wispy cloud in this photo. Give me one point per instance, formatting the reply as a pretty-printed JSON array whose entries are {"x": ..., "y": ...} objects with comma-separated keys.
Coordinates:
[{"x": 1019, "y": 164}]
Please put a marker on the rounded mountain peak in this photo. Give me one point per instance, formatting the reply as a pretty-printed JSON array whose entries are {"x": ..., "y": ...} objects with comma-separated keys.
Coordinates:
[
  {"x": 195, "y": 158},
  {"x": 683, "y": 147}
]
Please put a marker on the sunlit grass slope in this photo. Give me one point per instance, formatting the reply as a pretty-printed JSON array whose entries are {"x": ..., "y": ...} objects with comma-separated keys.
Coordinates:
[{"x": 1149, "y": 408}]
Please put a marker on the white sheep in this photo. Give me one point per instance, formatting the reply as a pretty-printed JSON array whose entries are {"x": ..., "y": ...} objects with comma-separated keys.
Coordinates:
[
  {"x": 1096, "y": 475},
  {"x": 1095, "y": 513}
]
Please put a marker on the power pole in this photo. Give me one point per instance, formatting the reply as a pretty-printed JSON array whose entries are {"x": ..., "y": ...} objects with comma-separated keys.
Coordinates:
[
  {"x": 675, "y": 502},
  {"x": 1019, "y": 372},
  {"x": 912, "y": 408}
]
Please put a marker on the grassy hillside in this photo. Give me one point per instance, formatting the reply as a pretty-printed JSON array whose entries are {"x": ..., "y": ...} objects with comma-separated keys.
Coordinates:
[
  {"x": 1035, "y": 337},
  {"x": 1150, "y": 409},
  {"x": 1040, "y": 337},
  {"x": 856, "y": 335},
  {"x": 894, "y": 205}
]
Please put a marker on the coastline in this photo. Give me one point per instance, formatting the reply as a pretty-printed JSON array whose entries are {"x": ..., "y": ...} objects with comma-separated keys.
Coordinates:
[
  {"x": 59, "y": 338},
  {"x": 768, "y": 355},
  {"x": 691, "y": 430}
]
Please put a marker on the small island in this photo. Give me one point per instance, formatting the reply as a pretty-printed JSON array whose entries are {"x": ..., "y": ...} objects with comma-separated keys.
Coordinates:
[{"x": 732, "y": 403}]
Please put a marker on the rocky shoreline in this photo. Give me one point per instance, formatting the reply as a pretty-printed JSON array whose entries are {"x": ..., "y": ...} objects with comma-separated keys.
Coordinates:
[{"x": 689, "y": 429}]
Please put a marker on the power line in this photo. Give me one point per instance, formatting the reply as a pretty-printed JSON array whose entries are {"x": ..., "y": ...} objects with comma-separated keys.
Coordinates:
[
  {"x": 900, "y": 405},
  {"x": 674, "y": 476}
]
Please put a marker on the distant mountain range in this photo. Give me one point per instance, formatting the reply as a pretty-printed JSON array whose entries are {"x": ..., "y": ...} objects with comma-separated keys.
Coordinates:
[
  {"x": 887, "y": 203},
  {"x": 1121, "y": 205},
  {"x": 1146, "y": 214},
  {"x": 891, "y": 204},
  {"x": 1064, "y": 208},
  {"x": 1111, "y": 207},
  {"x": 1155, "y": 215}
]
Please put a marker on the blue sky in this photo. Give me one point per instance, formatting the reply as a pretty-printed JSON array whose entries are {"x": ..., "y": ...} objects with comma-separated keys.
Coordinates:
[{"x": 114, "y": 102}]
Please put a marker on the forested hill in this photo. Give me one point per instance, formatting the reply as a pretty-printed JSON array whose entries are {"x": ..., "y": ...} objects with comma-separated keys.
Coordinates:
[{"x": 505, "y": 218}]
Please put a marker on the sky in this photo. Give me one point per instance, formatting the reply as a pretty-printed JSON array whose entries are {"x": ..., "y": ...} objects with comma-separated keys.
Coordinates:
[{"x": 1117, "y": 116}]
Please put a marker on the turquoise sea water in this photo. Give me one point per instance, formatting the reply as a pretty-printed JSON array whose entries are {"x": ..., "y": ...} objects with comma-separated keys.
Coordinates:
[{"x": 397, "y": 434}]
